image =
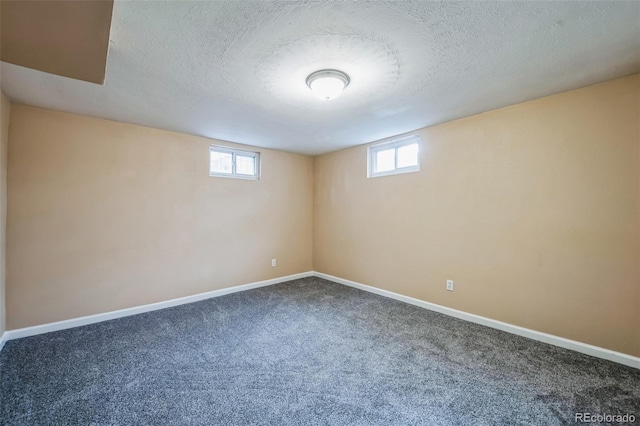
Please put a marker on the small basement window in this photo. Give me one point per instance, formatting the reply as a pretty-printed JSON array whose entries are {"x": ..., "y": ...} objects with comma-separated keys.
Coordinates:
[
  {"x": 394, "y": 157},
  {"x": 235, "y": 163}
]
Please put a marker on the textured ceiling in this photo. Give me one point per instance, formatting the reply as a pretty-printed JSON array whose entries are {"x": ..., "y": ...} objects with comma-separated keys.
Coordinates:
[{"x": 236, "y": 70}]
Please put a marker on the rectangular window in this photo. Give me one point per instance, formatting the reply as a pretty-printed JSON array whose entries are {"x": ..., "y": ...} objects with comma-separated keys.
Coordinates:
[
  {"x": 236, "y": 163},
  {"x": 393, "y": 157}
]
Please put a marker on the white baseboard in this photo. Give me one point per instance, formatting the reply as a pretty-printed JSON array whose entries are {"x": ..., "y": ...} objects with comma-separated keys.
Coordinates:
[
  {"x": 584, "y": 348},
  {"x": 91, "y": 319}
]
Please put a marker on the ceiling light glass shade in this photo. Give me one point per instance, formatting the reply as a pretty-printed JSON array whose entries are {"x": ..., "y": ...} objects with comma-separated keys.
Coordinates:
[{"x": 327, "y": 84}]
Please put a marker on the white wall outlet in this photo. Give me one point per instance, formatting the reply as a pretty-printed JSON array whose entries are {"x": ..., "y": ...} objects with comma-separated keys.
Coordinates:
[
  {"x": 450, "y": 285},
  {"x": 273, "y": 262}
]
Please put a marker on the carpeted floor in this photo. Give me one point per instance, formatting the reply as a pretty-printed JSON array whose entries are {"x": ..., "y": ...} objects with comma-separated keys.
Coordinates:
[{"x": 305, "y": 352}]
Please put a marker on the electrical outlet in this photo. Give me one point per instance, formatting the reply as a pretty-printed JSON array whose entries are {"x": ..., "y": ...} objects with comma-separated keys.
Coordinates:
[
  {"x": 273, "y": 262},
  {"x": 450, "y": 285}
]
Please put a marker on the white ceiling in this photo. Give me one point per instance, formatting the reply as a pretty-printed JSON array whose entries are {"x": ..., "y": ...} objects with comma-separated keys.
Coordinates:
[{"x": 236, "y": 70}]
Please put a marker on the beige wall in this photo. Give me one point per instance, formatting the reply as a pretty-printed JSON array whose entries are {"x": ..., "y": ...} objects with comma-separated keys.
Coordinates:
[
  {"x": 68, "y": 38},
  {"x": 105, "y": 215},
  {"x": 533, "y": 210},
  {"x": 5, "y": 114}
]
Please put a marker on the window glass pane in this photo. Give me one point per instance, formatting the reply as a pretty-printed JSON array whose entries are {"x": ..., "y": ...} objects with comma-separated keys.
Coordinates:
[
  {"x": 245, "y": 165},
  {"x": 385, "y": 160},
  {"x": 220, "y": 162},
  {"x": 408, "y": 155}
]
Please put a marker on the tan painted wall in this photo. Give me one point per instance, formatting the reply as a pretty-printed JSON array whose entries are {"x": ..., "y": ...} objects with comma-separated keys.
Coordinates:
[
  {"x": 533, "y": 210},
  {"x": 5, "y": 115},
  {"x": 105, "y": 215},
  {"x": 68, "y": 38}
]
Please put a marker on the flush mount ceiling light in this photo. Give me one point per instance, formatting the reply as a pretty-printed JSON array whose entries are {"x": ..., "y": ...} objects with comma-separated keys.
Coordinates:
[{"x": 327, "y": 84}]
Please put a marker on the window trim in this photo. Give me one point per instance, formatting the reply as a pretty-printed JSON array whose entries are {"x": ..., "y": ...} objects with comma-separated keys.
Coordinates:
[
  {"x": 373, "y": 149},
  {"x": 234, "y": 152}
]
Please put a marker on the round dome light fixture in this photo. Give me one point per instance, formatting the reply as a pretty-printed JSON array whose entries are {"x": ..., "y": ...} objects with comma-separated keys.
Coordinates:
[{"x": 327, "y": 84}]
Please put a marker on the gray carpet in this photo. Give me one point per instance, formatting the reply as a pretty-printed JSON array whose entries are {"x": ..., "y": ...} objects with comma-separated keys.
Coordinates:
[{"x": 306, "y": 352}]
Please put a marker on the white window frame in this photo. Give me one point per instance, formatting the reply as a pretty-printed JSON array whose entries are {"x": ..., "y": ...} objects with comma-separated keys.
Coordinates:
[
  {"x": 373, "y": 149},
  {"x": 234, "y": 152}
]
